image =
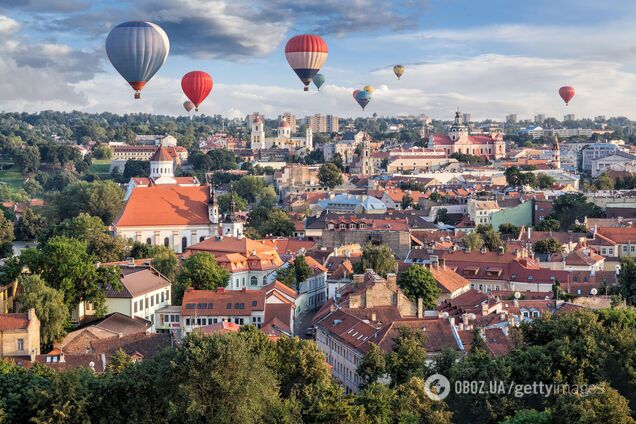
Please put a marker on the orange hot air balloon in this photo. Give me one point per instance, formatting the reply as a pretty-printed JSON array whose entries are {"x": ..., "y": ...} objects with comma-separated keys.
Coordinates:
[
  {"x": 196, "y": 85},
  {"x": 566, "y": 93}
]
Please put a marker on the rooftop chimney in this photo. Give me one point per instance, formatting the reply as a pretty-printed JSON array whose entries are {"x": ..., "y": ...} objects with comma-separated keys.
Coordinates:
[
  {"x": 420, "y": 307},
  {"x": 391, "y": 280}
]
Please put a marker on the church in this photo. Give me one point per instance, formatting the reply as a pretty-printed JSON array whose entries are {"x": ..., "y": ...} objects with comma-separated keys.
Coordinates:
[
  {"x": 283, "y": 140},
  {"x": 457, "y": 140},
  {"x": 176, "y": 212}
]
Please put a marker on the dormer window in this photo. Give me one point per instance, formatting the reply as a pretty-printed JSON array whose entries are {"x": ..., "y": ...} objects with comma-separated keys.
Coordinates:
[
  {"x": 330, "y": 226},
  {"x": 363, "y": 225},
  {"x": 342, "y": 226},
  {"x": 352, "y": 226}
]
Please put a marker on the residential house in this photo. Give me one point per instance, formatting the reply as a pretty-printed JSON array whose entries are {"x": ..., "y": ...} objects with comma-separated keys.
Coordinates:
[{"x": 19, "y": 336}]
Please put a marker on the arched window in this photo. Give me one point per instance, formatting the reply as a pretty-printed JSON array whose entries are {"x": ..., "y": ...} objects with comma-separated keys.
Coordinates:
[
  {"x": 253, "y": 281},
  {"x": 166, "y": 242},
  {"x": 148, "y": 241},
  {"x": 201, "y": 238},
  {"x": 264, "y": 280},
  {"x": 184, "y": 243}
]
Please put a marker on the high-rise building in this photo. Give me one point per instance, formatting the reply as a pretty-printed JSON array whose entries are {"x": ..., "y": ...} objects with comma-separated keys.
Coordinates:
[
  {"x": 512, "y": 118},
  {"x": 539, "y": 118},
  {"x": 322, "y": 124},
  {"x": 333, "y": 123},
  {"x": 465, "y": 118},
  {"x": 291, "y": 120},
  {"x": 569, "y": 117}
]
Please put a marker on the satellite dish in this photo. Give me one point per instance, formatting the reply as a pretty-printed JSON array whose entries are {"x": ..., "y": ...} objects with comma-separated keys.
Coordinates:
[
  {"x": 472, "y": 317},
  {"x": 593, "y": 292},
  {"x": 517, "y": 295},
  {"x": 92, "y": 365},
  {"x": 445, "y": 315}
]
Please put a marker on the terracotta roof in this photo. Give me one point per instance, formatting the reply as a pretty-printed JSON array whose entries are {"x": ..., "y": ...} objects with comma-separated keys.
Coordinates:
[
  {"x": 448, "y": 280},
  {"x": 584, "y": 257},
  {"x": 138, "y": 281},
  {"x": 166, "y": 205},
  {"x": 291, "y": 245},
  {"x": 219, "y": 328},
  {"x": 441, "y": 139},
  {"x": 161, "y": 155},
  {"x": 619, "y": 235},
  {"x": 438, "y": 334},
  {"x": 14, "y": 321}
]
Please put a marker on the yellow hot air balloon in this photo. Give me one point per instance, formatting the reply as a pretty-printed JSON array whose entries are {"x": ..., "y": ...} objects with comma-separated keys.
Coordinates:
[
  {"x": 368, "y": 89},
  {"x": 398, "y": 70}
]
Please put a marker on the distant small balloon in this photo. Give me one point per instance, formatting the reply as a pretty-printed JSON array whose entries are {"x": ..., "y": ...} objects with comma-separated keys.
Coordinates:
[
  {"x": 188, "y": 105},
  {"x": 398, "y": 70},
  {"x": 319, "y": 80},
  {"x": 362, "y": 97},
  {"x": 368, "y": 89},
  {"x": 566, "y": 93}
]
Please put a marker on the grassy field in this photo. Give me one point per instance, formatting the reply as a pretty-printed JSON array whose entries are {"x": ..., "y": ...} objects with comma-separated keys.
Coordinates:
[
  {"x": 11, "y": 178},
  {"x": 100, "y": 167}
]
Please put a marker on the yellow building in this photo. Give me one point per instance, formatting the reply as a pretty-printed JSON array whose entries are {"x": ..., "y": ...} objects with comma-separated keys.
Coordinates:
[{"x": 19, "y": 335}]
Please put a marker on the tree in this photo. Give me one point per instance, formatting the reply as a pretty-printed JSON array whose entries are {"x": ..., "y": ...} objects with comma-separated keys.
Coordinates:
[
  {"x": 509, "y": 229},
  {"x": 141, "y": 250},
  {"x": 165, "y": 261},
  {"x": 223, "y": 159},
  {"x": 201, "y": 272},
  {"x": 6, "y": 237},
  {"x": 252, "y": 188},
  {"x": 545, "y": 181},
  {"x": 330, "y": 175},
  {"x": 491, "y": 238},
  {"x": 32, "y": 187},
  {"x": 119, "y": 361},
  {"x": 529, "y": 416},
  {"x": 104, "y": 199},
  {"x": 571, "y": 207},
  {"x": 418, "y": 282},
  {"x": 136, "y": 168},
  {"x": 408, "y": 356},
  {"x": 549, "y": 224},
  {"x": 29, "y": 225},
  {"x": 48, "y": 304},
  {"x": 442, "y": 216},
  {"x": 407, "y": 201},
  {"x": 66, "y": 265},
  {"x": 372, "y": 366},
  {"x": 627, "y": 279},
  {"x": 224, "y": 203},
  {"x": 378, "y": 258},
  {"x": 602, "y": 405},
  {"x": 549, "y": 245},
  {"x": 604, "y": 182},
  {"x": 473, "y": 241},
  {"x": 102, "y": 151},
  {"x": 28, "y": 160},
  {"x": 278, "y": 224}
]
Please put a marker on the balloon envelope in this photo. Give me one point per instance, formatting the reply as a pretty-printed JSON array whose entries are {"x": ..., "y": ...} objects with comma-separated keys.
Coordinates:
[
  {"x": 362, "y": 97},
  {"x": 306, "y": 54},
  {"x": 566, "y": 93},
  {"x": 398, "y": 70},
  {"x": 368, "y": 89},
  {"x": 188, "y": 105},
  {"x": 319, "y": 80},
  {"x": 137, "y": 50},
  {"x": 196, "y": 85}
]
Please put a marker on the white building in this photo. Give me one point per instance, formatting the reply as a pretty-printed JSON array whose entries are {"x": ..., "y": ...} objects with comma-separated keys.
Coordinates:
[
  {"x": 283, "y": 140},
  {"x": 480, "y": 211},
  {"x": 144, "y": 291}
]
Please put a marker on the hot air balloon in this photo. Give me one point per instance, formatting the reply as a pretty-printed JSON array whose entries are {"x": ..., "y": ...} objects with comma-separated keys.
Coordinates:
[
  {"x": 566, "y": 93},
  {"x": 188, "y": 105},
  {"x": 137, "y": 50},
  {"x": 319, "y": 80},
  {"x": 362, "y": 97},
  {"x": 368, "y": 89},
  {"x": 398, "y": 70},
  {"x": 196, "y": 85},
  {"x": 306, "y": 54}
]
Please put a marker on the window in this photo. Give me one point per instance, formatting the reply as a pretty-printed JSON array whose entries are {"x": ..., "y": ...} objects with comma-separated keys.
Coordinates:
[
  {"x": 146, "y": 303},
  {"x": 253, "y": 281},
  {"x": 20, "y": 344},
  {"x": 264, "y": 280},
  {"x": 210, "y": 305},
  {"x": 157, "y": 298},
  {"x": 201, "y": 238},
  {"x": 184, "y": 243},
  {"x": 352, "y": 226},
  {"x": 135, "y": 307},
  {"x": 363, "y": 225},
  {"x": 342, "y": 226},
  {"x": 166, "y": 242},
  {"x": 253, "y": 303},
  {"x": 152, "y": 301},
  {"x": 148, "y": 241},
  {"x": 163, "y": 296},
  {"x": 229, "y": 306}
]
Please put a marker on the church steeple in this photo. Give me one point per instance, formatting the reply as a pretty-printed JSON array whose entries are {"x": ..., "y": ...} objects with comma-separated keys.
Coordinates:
[
  {"x": 457, "y": 129},
  {"x": 556, "y": 152},
  {"x": 232, "y": 224},
  {"x": 213, "y": 205}
]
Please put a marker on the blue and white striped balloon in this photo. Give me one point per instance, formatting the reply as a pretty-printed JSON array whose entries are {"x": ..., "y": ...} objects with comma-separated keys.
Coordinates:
[{"x": 137, "y": 50}]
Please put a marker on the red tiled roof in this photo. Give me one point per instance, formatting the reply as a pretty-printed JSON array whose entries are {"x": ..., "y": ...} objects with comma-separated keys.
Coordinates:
[
  {"x": 14, "y": 321},
  {"x": 161, "y": 155},
  {"x": 166, "y": 205}
]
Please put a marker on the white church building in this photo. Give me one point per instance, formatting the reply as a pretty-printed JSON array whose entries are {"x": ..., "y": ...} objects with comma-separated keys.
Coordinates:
[{"x": 283, "y": 140}]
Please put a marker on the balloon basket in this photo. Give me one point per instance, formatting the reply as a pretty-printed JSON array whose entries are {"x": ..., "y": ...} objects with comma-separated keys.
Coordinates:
[
  {"x": 306, "y": 88},
  {"x": 137, "y": 95}
]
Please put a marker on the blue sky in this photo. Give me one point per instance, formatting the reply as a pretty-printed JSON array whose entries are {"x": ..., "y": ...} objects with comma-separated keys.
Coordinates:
[{"x": 487, "y": 57}]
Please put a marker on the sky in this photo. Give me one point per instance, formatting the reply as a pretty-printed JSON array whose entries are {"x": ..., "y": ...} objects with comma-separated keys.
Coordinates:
[{"x": 489, "y": 58}]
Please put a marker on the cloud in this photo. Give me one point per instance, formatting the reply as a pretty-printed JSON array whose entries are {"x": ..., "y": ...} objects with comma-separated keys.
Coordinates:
[
  {"x": 8, "y": 25},
  {"x": 45, "y": 6}
]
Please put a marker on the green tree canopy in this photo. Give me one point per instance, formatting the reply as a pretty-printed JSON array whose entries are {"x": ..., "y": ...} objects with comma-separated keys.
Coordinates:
[
  {"x": 201, "y": 272},
  {"x": 379, "y": 258},
  {"x": 330, "y": 175},
  {"x": 418, "y": 282},
  {"x": 48, "y": 304}
]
